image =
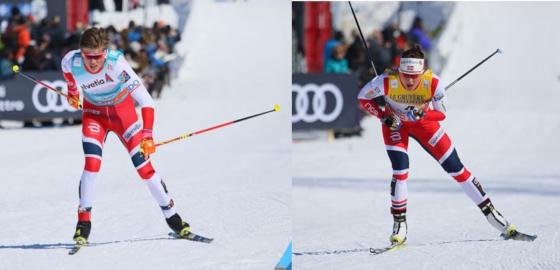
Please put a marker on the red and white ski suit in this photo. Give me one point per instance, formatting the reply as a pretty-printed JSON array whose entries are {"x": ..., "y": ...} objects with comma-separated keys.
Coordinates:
[
  {"x": 430, "y": 97},
  {"x": 109, "y": 97}
]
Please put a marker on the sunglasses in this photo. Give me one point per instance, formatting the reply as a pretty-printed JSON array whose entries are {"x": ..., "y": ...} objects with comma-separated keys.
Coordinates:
[
  {"x": 94, "y": 56},
  {"x": 410, "y": 76}
]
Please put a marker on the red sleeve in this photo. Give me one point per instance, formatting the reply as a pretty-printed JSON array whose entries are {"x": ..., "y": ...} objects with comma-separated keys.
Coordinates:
[
  {"x": 435, "y": 82},
  {"x": 72, "y": 89},
  {"x": 371, "y": 107},
  {"x": 148, "y": 119},
  {"x": 434, "y": 115}
]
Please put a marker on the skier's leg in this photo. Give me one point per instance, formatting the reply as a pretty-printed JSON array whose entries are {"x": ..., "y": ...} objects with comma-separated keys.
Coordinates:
[
  {"x": 436, "y": 141},
  {"x": 433, "y": 138},
  {"x": 131, "y": 136},
  {"x": 158, "y": 189},
  {"x": 93, "y": 137},
  {"x": 396, "y": 144},
  {"x": 148, "y": 174}
]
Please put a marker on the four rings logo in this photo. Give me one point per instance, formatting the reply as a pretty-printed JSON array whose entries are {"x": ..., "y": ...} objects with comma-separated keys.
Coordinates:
[
  {"x": 315, "y": 97},
  {"x": 46, "y": 100},
  {"x": 324, "y": 101},
  {"x": 318, "y": 102}
]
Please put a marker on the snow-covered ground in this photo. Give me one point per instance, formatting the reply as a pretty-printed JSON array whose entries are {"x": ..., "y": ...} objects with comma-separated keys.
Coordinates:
[
  {"x": 232, "y": 184},
  {"x": 504, "y": 122}
]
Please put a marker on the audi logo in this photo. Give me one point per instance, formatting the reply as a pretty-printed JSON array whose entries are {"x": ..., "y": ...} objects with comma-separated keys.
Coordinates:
[
  {"x": 316, "y": 97},
  {"x": 46, "y": 100}
]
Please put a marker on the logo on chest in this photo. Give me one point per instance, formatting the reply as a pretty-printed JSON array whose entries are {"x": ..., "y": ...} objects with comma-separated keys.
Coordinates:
[
  {"x": 97, "y": 82},
  {"x": 407, "y": 98}
]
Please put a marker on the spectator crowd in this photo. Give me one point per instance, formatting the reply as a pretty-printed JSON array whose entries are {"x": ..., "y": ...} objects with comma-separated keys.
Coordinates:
[
  {"x": 385, "y": 47},
  {"x": 40, "y": 46}
]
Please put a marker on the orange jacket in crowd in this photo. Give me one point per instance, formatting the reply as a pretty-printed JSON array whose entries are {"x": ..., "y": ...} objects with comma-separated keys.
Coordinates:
[{"x": 24, "y": 39}]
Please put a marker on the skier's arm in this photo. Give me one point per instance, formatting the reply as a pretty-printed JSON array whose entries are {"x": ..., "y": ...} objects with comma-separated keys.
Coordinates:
[
  {"x": 146, "y": 103},
  {"x": 140, "y": 94},
  {"x": 370, "y": 92},
  {"x": 73, "y": 97},
  {"x": 438, "y": 102},
  {"x": 373, "y": 94},
  {"x": 133, "y": 83}
]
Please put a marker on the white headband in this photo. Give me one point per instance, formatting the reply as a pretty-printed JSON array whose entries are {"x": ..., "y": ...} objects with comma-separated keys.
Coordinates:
[{"x": 412, "y": 66}]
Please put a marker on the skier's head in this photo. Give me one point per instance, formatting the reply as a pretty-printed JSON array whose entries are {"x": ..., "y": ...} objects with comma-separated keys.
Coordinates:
[
  {"x": 93, "y": 45},
  {"x": 411, "y": 67}
]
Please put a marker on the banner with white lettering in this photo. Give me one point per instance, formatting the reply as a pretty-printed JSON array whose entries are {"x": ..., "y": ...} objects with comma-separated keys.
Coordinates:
[
  {"x": 22, "y": 99},
  {"x": 324, "y": 101}
]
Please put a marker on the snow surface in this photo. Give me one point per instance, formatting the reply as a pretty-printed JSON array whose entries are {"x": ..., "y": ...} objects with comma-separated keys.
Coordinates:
[
  {"x": 232, "y": 184},
  {"x": 502, "y": 118}
]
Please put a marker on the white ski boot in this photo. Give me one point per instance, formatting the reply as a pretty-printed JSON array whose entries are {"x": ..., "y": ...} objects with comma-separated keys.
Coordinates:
[
  {"x": 508, "y": 231},
  {"x": 496, "y": 219}
]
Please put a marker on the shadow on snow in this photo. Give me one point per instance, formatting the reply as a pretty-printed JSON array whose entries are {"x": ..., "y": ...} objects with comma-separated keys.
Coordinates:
[
  {"x": 366, "y": 250},
  {"x": 71, "y": 245}
]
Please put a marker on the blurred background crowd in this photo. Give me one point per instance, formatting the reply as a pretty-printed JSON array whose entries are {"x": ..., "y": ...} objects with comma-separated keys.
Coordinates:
[
  {"x": 326, "y": 40},
  {"x": 345, "y": 53},
  {"x": 40, "y": 45}
]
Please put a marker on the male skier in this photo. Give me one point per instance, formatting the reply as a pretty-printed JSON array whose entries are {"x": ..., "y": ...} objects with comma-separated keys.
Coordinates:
[{"x": 110, "y": 87}]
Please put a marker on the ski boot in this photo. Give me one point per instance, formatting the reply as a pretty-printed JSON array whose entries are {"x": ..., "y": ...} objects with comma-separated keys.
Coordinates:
[
  {"x": 399, "y": 229},
  {"x": 508, "y": 231},
  {"x": 498, "y": 221},
  {"x": 83, "y": 227},
  {"x": 176, "y": 224},
  {"x": 81, "y": 235},
  {"x": 495, "y": 218}
]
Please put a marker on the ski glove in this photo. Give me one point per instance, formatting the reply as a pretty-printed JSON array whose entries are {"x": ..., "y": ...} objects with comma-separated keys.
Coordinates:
[
  {"x": 73, "y": 99},
  {"x": 147, "y": 145},
  {"x": 415, "y": 114},
  {"x": 392, "y": 122}
]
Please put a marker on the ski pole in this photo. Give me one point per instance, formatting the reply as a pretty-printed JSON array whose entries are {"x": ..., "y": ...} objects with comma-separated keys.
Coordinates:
[
  {"x": 15, "y": 69},
  {"x": 380, "y": 101},
  {"x": 473, "y": 68},
  {"x": 187, "y": 135},
  {"x": 363, "y": 40}
]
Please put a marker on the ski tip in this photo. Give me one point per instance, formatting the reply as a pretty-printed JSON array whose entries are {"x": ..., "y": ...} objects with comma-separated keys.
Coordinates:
[
  {"x": 276, "y": 107},
  {"x": 520, "y": 237},
  {"x": 15, "y": 68},
  {"x": 499, "y": 50},
  {"x": 192, "y": 237},
  {"x": 75, "y": 249}
]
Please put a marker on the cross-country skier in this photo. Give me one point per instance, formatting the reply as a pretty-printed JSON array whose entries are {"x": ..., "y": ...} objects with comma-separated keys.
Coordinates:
[
  {"x": 401, "y": 98},
  {"x": 110, "y": 88}
]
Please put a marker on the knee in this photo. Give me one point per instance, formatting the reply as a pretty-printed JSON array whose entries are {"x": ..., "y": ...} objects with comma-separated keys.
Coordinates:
[
  {"x": 143, "y": 166},
  {"x": 93, "y": 164},
  {"x": 146, "y": 172},
  {"x": 399, "y": 160},
  {"x": 93, "y": 152},
  {"x": 454, "y": 167},
  {"x": 452, "y": 164}
]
